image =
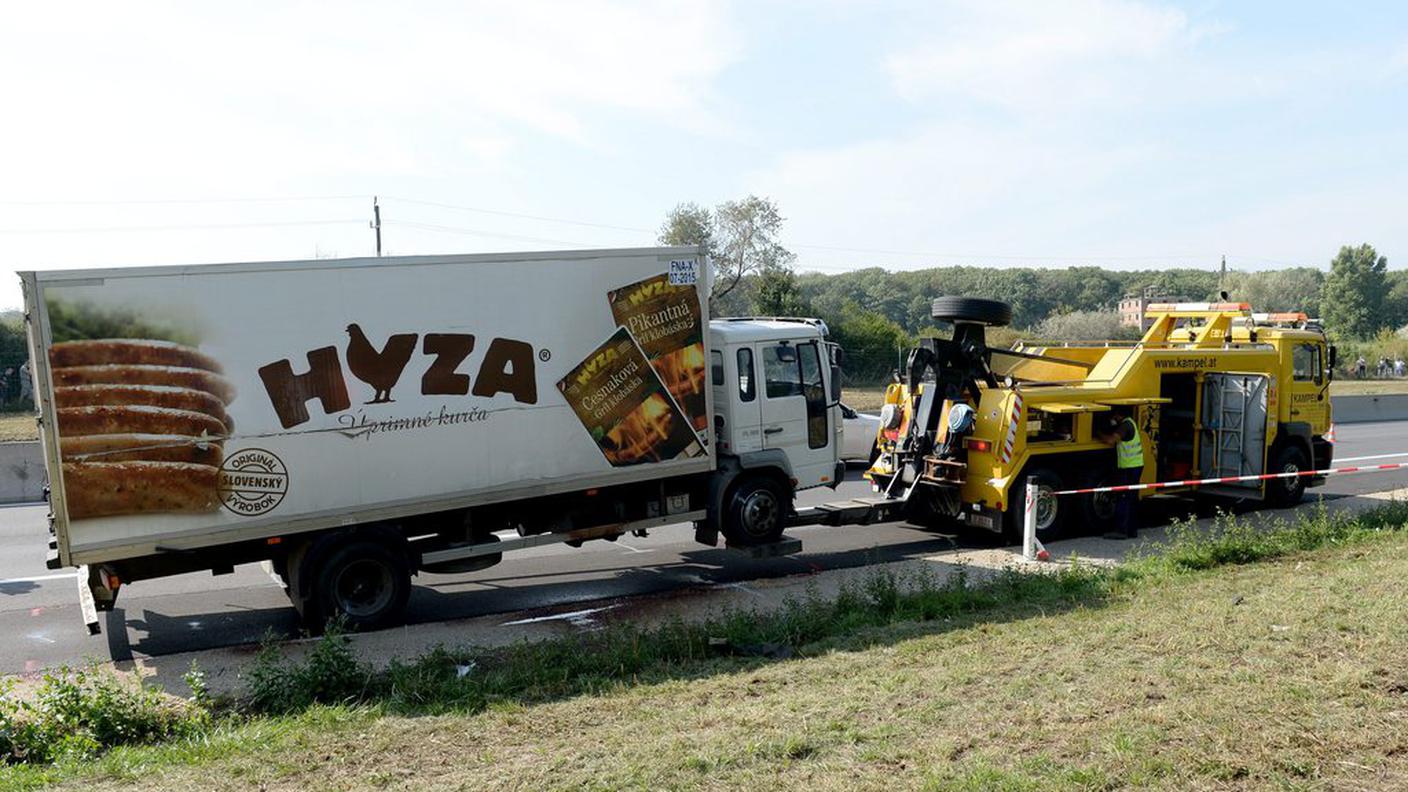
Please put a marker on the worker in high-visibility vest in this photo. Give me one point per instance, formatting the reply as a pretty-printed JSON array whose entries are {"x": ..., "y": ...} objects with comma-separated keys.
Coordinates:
[{"x": 1123, "y": 433}]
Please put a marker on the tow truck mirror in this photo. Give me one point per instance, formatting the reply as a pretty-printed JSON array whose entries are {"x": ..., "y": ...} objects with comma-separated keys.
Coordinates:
[
  {"x": 1334, "y": 357},
  {"x": 835, "y": 383}
]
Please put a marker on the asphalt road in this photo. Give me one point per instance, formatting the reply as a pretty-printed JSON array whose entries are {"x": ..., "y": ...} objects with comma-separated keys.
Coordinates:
[{"x": 40, "y": 619}]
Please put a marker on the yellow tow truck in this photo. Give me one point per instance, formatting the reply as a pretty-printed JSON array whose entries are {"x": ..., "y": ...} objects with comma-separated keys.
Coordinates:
[{"x": 1215, "y": 389}]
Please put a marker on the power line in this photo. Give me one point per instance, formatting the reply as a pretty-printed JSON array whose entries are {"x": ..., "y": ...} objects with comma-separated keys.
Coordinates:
[
  {"x": 523, "y": 216},
  {"x": 190, "y": 227},
  {"x": 474, "y": 232},
  {"x": 161, "y": 201}
]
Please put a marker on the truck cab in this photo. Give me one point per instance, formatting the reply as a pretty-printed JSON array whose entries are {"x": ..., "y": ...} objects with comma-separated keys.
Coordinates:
[{"x": 775, "y": 384}]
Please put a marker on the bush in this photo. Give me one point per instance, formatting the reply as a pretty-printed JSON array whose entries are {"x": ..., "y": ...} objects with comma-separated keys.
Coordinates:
[
  {"x": 330, "y": 674},
  {"x": 81, "y": 713}
]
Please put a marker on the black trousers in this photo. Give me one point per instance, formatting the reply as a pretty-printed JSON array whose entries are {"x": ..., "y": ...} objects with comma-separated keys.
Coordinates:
[{"x": 1125, "y": 502}]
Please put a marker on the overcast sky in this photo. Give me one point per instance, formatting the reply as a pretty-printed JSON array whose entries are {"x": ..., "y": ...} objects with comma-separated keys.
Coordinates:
[{"x": 1128, "y": 134}]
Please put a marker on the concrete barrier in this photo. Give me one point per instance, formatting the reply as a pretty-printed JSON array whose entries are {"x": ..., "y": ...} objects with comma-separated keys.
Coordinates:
[
  {"x": 22, "y": 476},
  {"x": 1363, "y": 409}
]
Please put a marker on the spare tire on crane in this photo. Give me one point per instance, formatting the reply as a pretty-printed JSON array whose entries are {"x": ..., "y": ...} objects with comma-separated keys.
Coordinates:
[{"x": 974, "y": 310}]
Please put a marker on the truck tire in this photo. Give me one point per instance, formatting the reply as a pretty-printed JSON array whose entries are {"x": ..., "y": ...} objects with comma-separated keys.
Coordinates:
[
  {"x": 1051, "y": 511},
  {"x": 1097, "y": 509},
  {"x": 364, "y": 583},
  {"x": 757, "y": 512},
  {"x": 1286, "y": 492},
  {"x": 993, "y": 313}
]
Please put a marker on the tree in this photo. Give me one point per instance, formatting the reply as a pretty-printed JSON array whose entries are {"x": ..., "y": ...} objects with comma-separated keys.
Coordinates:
[
  {"x": 1295, "y": 289},
  {"x": 689, "y": 224},
  {"x": 1354, "y": 292},
  {"x": 1084, "y": 326},
  {"x": 739, "y": 236},
  {"x": 777, "y": 295}
]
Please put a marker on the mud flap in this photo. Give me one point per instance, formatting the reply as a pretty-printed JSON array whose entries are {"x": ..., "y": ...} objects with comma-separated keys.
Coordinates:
[{"x": 86, "y": 604}]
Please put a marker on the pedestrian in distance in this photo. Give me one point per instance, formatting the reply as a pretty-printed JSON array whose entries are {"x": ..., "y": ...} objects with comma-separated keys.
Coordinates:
[
  {"x": 1360, "y": 367},
  {"x": 1123, "y": 433}
]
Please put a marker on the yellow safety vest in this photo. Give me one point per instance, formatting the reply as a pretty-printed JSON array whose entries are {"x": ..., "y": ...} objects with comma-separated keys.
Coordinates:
[{"x": 1130, "y": 453}]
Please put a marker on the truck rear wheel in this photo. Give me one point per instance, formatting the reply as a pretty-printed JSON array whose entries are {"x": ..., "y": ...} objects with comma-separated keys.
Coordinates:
[
  {"x": 1285, "y": 492},
  {"x": 757, "y": 511},
  {"x": 364, "y": 583}
]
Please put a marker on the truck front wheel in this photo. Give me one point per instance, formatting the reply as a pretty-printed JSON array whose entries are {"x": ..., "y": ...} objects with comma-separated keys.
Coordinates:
[
  {"x": 364, "y": 583},
  {"x": 1285, "y": 492},
  {"x": 757, "y": 511}
]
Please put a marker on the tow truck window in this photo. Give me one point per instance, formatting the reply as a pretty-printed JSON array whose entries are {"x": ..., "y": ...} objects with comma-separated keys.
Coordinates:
[
  {"x": 746, "y": 389},
  {"x": 1305, "y": 362},
  {"x": 716, "y": 367},
  {"x": 815, "y": 390}
]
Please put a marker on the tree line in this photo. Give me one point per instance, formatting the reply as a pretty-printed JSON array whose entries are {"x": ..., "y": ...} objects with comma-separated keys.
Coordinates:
[{"x": 874, "y": 313}]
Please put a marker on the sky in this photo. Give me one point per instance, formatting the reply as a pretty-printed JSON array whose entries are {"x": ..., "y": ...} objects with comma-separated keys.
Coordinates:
[{"x": 1120, "y": 133}]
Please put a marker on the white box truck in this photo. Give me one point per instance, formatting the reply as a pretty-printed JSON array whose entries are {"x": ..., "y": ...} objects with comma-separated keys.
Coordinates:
[{"x": 353, "y": 422}]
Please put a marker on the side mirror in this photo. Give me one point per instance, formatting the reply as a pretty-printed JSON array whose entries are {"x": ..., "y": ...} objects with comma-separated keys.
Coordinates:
[
  {"x": 835, "y": 383},
  {"x": 1334, "y": 356}
]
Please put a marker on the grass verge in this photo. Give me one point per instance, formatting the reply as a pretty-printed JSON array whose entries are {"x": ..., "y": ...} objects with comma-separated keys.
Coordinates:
[
  {"x": 18, "y": 426},
  {"x": 1170, "y": 671}
]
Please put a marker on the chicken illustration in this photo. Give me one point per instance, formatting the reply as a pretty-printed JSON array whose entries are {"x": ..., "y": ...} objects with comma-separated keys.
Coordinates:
[{"x": 381, "y": 369}]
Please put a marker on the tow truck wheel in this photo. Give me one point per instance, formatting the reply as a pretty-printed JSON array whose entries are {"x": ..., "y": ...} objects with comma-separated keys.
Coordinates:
[
  {"x": 364, "y": 583},
  {"x": 992, "y": 313},
  {"x": 1050, "y": 511},
  {"x": 1284, "y": 492},
  {"x": 757, "y": 511},
  {"x": 1098, "y": 508}
]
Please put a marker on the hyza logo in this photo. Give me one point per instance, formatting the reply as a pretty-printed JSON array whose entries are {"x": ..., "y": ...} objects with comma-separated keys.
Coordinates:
[
  {"x": 507, "y": 367},
  {"x": 253, "y": 481}
]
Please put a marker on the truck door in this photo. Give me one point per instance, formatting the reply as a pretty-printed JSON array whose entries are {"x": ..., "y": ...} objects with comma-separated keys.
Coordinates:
[
  {"x": 1307, "y": 388},
  {"x": 1234, "y": 417},
  {"x": 795, "y": 418}
]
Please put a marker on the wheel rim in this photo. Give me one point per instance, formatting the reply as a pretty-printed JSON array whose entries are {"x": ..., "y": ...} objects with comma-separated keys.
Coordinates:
[
  {"x": 1291, "y": 483},
  {"x": 1103, "y": 504},
  {"x": 1046, "y": 507},
  {"x": 363, "y": 588},
  {"x": 759, "y": 512}
]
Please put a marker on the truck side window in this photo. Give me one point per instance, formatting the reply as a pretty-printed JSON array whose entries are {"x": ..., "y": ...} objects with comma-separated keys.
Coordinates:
[
  {"x": 781, "y": 372},
  {"x": 1305, "y": 362},
  {"x": 747, "y": 390},
  {"x": 716, "y": 368},
  {"x": 815, "y": 391}
]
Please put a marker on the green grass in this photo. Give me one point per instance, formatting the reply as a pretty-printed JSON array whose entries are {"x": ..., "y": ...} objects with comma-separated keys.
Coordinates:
[
  {"x": 1230, "y": 657},
  {"x": 1354, "y": 387},
  {"x": 864, "y": 399},
  {"x": 18, "y": 426}
]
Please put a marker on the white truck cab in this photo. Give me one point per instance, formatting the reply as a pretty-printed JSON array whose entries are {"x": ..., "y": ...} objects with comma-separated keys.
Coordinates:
[{"x": 776, "y": 396}]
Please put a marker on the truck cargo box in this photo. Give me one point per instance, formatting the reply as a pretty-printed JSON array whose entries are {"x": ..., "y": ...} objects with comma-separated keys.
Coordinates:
[{"x": 188, "y": 407}]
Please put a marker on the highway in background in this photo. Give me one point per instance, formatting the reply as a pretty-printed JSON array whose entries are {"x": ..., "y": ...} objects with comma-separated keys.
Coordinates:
[{"x": 39, "y": 611}]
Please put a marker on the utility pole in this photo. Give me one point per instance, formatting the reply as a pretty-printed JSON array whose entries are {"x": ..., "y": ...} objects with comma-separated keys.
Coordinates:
[
  {"x": 376, "y": 224},
  {"x": 1221, "y": 277}
]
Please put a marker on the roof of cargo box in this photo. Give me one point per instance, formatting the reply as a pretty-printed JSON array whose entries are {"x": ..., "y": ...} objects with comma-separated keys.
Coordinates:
[{"x": 743, "y": 329}]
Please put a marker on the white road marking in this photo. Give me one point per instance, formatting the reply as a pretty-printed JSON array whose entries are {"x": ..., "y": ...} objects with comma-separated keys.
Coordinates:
[
  {"x": 1371, "y": 456},
  {"x": 578, "y": 618},
  {"x": 38, "y": 578},
  {"x": 633, "y": 549}
]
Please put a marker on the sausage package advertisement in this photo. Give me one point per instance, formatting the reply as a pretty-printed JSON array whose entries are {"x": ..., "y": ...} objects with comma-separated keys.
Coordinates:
[{"x": 220, "y": 400}]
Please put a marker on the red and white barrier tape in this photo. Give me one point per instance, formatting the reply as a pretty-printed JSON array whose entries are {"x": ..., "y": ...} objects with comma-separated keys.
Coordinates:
[{"x": 1230, "y": 479}]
